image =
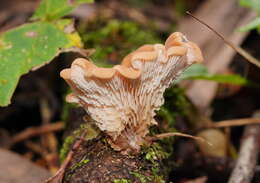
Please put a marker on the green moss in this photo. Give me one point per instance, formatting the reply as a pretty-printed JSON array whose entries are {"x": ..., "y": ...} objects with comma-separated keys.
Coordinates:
[
  {"x": 176, "y": 104},
  {"x": 155, "y": 153},
  {"x": 92, "y": 132},
  {"x": 114, "y": 39},
  {"x": 122, "y": 181},
  {"x": 148, "y": 179},
  {"x": 159, "y": 179},
  {"x": 73, "y": 168},
  {"x": 66, "y": 147},
  {"x": 79, "y": 164},
  {"x": 141, "y": 177}
]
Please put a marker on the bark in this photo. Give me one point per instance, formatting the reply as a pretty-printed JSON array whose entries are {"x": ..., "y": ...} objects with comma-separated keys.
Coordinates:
[{"x": 246, "y": 163}]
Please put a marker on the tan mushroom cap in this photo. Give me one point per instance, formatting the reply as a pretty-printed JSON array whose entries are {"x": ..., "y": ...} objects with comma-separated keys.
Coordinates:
[
  {"x": 101, "y": 73},
  {"x": 65, "y": 74},
  {"x": 92, "y": 71},
  {"x": 196, "y": 52},
  {"x": 175, "y": 39},
  {"x": 175, "y": 45},
  {"x": 176, "y": 51},
  {"x": 127, "y": 72},
  {"x": 145, "y": 56},
  {"x": 145, "y": 48},
  {"x": 178, "y": 45},
  {"x": 71, "y": 98}
]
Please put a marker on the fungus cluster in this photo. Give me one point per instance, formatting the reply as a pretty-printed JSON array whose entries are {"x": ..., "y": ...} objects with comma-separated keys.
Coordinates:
[{"x": 122, "y": 100}]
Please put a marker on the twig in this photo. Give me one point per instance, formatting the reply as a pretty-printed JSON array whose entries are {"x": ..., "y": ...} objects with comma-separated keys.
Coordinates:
[
  {"x": 238, "y": 49},
  {"x": 50, "y": 159},
  {"x": 197, "y": 180},
  {"x": 245, "y": 165},
  {"x": 35, "y": 148},
  {"x": 35, "y": 131},
  {"x": 235, "y": 122},
  {"x": 57, "y": 178},
  {"x": 171, "y": 134}
]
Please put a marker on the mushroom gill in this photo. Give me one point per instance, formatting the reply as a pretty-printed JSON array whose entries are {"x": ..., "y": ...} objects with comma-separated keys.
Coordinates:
[{"x": 122, "y": 100}]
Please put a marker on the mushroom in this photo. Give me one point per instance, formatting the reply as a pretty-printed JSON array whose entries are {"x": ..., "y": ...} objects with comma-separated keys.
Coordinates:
[{"x": 122, "y": 100}]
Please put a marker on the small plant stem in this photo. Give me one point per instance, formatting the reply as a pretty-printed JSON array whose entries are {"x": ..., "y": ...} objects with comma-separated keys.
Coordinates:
[
  {"x": 235, "y": 122},
  {"x": 171, "y": 134}
]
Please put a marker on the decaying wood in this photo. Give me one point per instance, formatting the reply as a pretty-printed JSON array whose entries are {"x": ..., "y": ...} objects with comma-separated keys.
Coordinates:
[
  {"x": 225, "y": 17},
  {"x": 15, "y": 169},
  {"x": 245, "y": 166},
  {"x": 248, "y": 154},
  {"x": 105, "y": 165}
]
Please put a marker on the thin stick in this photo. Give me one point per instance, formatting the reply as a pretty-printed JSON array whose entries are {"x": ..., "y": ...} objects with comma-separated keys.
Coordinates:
[
  {"x": 171, "y": 134},
  {"x": 235, "y": 122},
  {"x": 35, "y": 131},
  {"x": 238, "y": 49}
]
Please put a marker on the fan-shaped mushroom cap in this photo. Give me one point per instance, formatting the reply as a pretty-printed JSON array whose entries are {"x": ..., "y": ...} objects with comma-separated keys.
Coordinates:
[
  {"x": 127, "y": 72},
  {"x": 65, "y": 74},
  {"x": 123, "y": 99},
  {"x": 175, "y": 39},
  {"x": 145, "y": 48}
]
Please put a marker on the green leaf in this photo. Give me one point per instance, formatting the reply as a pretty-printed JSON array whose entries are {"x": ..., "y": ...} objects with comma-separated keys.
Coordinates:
[
  {"x": 199, "y": 72},
  {"x": 252, "y": 25},
  {"x": 54, "y": 9},
  {"x": 228, "y": 78},
  {"x": 29, "y": 46},
  {"x": 194, "y": 70}
]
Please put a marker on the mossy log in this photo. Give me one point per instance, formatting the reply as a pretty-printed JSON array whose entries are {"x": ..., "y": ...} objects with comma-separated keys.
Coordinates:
[{"x": 95, "y": 161}]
